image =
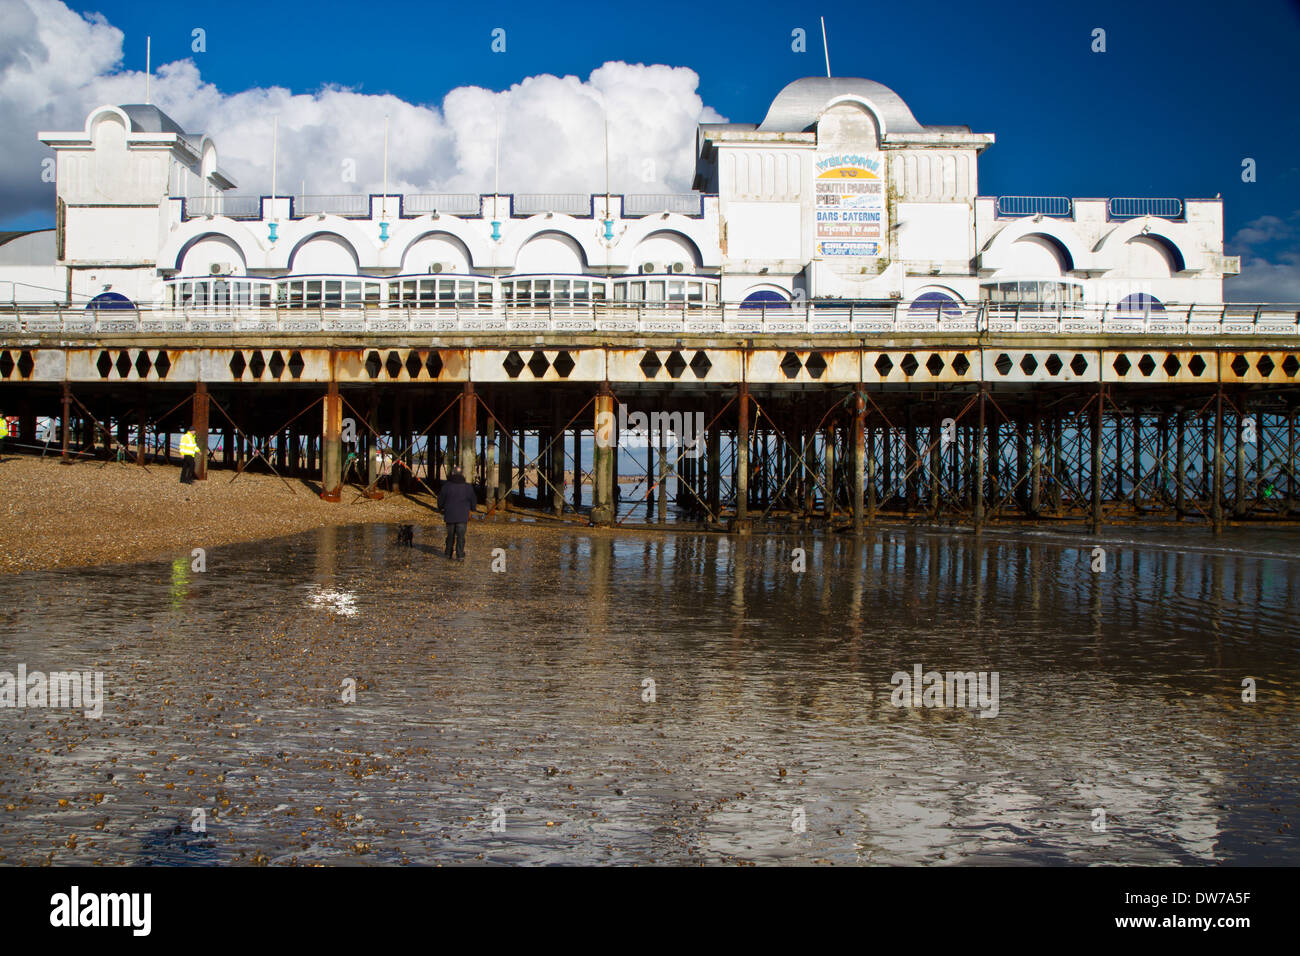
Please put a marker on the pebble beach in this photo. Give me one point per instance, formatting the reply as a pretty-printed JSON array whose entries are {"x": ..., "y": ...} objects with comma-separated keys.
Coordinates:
[{"x": 91, "y": 513}]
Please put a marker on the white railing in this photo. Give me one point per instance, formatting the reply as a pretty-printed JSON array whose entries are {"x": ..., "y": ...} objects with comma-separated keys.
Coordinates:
[
  {"x": 532, "y": 204},
  {"x": 456, "y": 204},
  {"x": 648, "y": 204},
  {"x": 1057, "y": 207},
  {"x": 1127, "y": 208},
  {"x": 810, "y": 319},
  {"x": 232, "y": 207},
  {"x": 347, "y": 206}
]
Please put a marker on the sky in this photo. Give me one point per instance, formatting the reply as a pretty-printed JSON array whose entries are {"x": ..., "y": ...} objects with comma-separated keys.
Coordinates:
[{"x": 1183, "y": 94}]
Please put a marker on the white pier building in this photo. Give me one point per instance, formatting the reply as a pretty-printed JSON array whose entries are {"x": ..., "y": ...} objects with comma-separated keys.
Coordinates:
[{"x": 839, "y": 202}]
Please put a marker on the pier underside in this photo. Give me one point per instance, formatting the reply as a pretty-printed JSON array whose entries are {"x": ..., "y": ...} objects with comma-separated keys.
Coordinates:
[{"x": 842, "y": 432}]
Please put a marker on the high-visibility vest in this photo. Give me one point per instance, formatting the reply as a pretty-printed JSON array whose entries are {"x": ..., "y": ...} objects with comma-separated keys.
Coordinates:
[
  {"x": 189, "y": 447},
  {"x": 4, "y": 427}
]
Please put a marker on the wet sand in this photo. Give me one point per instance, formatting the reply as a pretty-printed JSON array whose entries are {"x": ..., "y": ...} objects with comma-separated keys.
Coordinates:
[{"x": 518, "y": 696}]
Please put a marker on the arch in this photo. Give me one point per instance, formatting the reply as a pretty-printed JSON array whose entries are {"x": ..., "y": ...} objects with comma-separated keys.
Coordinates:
[
  {"x": 1071, "y": 251},
  {"x": 407, "y": 232},
  {"x": 666, "y": 246},
  {"x": 173, "y": 251},
  {"x": 100, "y": 113},
  {"x": 324, "y": 253},
  {"x": 765, "y": 298},
  {"x": 707, "y": 253},
  {"x": 857, "y": 126},
  {"x": 1110, "y": 249},
  {"x": 436, "y": 245},
  {"x": 517, "y": 235},
  {"x": 1038, "y": 254},
  {"x": 551, "y": 251},
  {"x": 197, "y": 255},
  {"x": 798, "y": 106}
]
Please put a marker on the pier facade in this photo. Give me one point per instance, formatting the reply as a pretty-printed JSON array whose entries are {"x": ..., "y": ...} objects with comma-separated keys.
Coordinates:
[{"x": 861, "y": 334}]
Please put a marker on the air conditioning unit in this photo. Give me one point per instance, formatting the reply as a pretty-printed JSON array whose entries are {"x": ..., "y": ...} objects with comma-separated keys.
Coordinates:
[
  {"x": 438, "y": 267},
  {"x": 649, "y": 267},
  {"x": 679, "y": 267},
  {"x": 220, "y": 269}
]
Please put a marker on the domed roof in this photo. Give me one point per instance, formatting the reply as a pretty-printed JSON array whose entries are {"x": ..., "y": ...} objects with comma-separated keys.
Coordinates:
[{"x": 797, "y": 107}]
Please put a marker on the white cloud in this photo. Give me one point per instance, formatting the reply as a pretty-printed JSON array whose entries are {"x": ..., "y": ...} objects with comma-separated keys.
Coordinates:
[
  {"x": 1265, "y": 281},
  {"x": 56, "y": 65},
  {"x": 1270, "y": 272}
]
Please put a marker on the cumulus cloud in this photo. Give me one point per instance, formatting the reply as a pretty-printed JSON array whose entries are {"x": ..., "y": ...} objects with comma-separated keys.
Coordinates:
[
  {"x": 1270, "y": 261},
  {"x": 56, "y": 65}
]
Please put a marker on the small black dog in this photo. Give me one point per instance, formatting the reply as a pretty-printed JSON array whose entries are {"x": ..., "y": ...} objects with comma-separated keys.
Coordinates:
[{"x": 406, "y": 535}]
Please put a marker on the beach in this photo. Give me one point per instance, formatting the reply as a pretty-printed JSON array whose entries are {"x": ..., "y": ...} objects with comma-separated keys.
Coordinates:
[{"x": 91, "y": 512}]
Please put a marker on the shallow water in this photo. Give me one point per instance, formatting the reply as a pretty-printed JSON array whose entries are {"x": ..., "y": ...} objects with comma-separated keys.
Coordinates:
[{"x": 517, "y": 700}]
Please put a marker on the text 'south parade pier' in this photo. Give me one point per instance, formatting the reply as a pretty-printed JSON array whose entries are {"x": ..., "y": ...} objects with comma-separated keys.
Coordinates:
[{"x": 857, "y": 333}]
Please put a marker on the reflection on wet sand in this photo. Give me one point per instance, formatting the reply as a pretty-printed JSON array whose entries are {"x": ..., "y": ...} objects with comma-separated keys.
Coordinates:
[{"x": 523, "y": 690}]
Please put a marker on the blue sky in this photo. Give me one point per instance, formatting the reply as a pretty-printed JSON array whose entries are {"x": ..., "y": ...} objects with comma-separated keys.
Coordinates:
[{"x": 1184, "y": 92}]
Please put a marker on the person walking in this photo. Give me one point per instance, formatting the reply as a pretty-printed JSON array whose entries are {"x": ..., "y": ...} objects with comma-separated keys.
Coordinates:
[
  {"x": 456, "y": 500},
  {"x": 189, "y": 450},
  {"x": 4, "y": 433}
]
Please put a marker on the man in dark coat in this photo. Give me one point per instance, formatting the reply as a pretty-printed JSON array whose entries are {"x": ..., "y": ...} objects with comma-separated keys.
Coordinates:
[{"x": 456, "y": 500}]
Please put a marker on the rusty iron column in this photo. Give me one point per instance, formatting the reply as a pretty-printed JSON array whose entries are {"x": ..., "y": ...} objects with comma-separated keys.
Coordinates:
[
  {"x": 859, "y": 460},
  {"x": 981, "y": 432},
  {"x": 468, "y": 427},
  {"x": 1036, "y": 465},
  {"x": 741, "y": 479},
  {"x": 1094, "y": 521},
  {"x": 491, "y": 474},
  {"x": 577, "y": 471},
  {"x": 557, "y": 458},
  {"x": 372, "y": 439},
  {"x": 911, "y": 463},
  {"x": 869, "y": 478},
  {"x": 506, "y": 479},
  {"x": 1024, "y": 480},
  {"x": 331, "y": 448},
  {"x": 713, "y": 494},
  {"x": 201, "y": 431},
  {"x": 1216, "y": 504},
  {"x": 140, "y": 420},
  {"x": 66, "y": 422},
  {"x": 604, "y": 441},
  {"x": 828, "y": 473},
  {"x": 1290, "y": 459},
  {"x": 1180, "y": 463},
  {"x": 1239, "y": 505},
  {"x": 936, "y": 460}
]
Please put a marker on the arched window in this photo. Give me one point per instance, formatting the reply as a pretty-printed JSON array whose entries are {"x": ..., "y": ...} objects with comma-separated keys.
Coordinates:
[
  {"x": 1140, "y": 302},
  {"x": 107, "y": 301},
  {"x": 930, "y": 303},
  {"x": 765, "y": 299}
]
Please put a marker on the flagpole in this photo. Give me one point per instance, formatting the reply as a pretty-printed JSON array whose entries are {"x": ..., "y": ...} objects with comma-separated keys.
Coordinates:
[
  {"x": 825, "y": 48},
  {"x": 275, "y": 146}
]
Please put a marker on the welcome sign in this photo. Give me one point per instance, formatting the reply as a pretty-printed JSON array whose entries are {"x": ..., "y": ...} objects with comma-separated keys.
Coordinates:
[{"x": 850, "y": 192}]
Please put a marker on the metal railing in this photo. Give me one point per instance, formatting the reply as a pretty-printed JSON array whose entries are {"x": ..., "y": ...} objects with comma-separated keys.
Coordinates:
[
  {"x": 1057, "y": 207},
  {"x": 347, "y": 206},
  {"x": 234, "y": 207},
  {"x": 648, "y": 204},
  {"x": 456, "y": 204},
  {"x": 1125, "y": 208},
  {"x": 807, "y": 319},
  {"x": 532, "y": 204}
]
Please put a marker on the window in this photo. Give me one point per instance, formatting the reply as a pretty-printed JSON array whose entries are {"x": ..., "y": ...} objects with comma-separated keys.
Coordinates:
[
  {"x": 765, "y": 299},
  {"x": 1140, "y": 303}
]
